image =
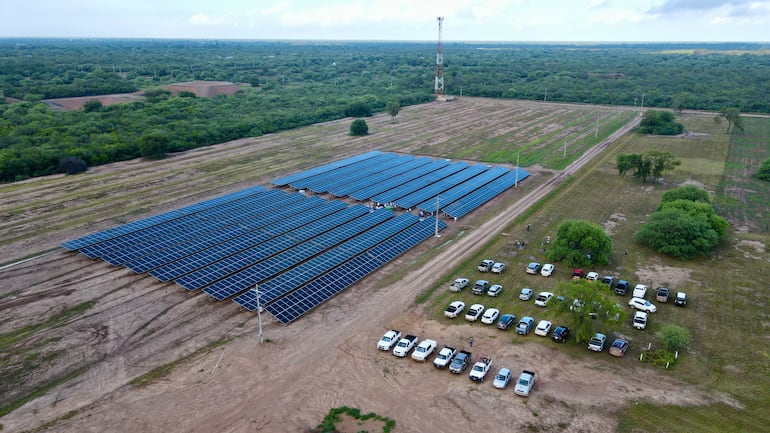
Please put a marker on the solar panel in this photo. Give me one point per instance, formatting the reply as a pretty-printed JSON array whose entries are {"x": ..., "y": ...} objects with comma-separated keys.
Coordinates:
[
  {"x": 320, "y": 182},
  {"x": 286, "y": 180},
  {"x": 436, "y": 188},
  {"x": 394, "y": 194},
  {"x": 407, "y": 165},
  {"x": 371, "y": 191},
  {"x": 475, "y": 199}
]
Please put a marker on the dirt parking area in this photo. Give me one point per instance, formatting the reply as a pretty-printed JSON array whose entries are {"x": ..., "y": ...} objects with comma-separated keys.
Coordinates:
[{"x": 228, "y": 382}]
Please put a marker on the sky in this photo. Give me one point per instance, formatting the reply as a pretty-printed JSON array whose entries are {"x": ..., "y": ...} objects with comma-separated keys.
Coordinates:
[{"x": 399, "y": 20}]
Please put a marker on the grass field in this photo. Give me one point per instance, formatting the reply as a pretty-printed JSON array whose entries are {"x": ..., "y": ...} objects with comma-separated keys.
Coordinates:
[{"x": 728, "y": 290}]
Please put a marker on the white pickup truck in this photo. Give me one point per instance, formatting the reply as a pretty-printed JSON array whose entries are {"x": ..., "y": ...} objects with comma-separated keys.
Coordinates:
[
  {"x": 444, "y": 357},
  {"x": 480, "y": 369},
  {"x": 424, "y": 350},
  {"x": 405, "y": 345},
  {"x": 389, "y": 339},
  {"x": 525, "y": 383}
]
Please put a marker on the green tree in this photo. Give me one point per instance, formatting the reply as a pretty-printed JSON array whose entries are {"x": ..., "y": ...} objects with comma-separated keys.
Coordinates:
[
  {"x": 358, "y": 109},
  {"x": 589, "y": 306},
  {"x": 686, "y": 192},
  {"x": 92, "y": 105},
  {"x": 700, "y": 210},
  {"x": 154, "y": 145},
  {"x": 678, "y": 234},
  {"x": 625, "y": 163},
  {"x": 732, "y": 116},
  {"x": 580, "y": 243},
  {"x": 359, "y": 127},
  {"x": 674, "y": 337},
  {"x": 660, "y": 161},
  {"x": 659, "y": 123},
  {"x": 72, "y": 165},
  {"x": 680, "y": 101},
  {"x": 393, "y": 108},
  {"x": 764, "y": 171}
]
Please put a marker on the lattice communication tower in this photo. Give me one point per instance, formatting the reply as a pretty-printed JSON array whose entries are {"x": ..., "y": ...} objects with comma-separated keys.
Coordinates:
[{"x": 438, "y": 88}]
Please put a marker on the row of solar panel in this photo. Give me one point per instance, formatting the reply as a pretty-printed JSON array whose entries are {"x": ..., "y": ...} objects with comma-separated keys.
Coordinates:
[
  {"x": 299, "y": 302},
  {"x": 286, "y": 180},
  {"x": 468, "y": 203}
]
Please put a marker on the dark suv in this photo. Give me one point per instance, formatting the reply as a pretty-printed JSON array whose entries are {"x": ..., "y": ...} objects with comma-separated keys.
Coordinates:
[
  {"x": 609, "y": 280},
  {"x": 621, "y": 288},
  {"x": 480, "y": 287}
]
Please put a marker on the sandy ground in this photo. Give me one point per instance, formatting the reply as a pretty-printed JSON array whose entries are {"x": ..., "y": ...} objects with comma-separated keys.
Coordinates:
[{"x": 326, "y": 359}]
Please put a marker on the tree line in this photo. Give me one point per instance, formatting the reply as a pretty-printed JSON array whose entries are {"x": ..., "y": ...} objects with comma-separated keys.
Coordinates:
[{"x": 290, "y": 84}]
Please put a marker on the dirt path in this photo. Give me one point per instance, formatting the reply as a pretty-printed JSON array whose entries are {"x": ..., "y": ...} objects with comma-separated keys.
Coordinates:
[{"x": 324, "y": 360}]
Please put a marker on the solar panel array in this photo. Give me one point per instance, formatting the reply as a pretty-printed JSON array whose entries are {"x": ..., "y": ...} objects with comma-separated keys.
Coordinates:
[{"x": 301, "y": 250}]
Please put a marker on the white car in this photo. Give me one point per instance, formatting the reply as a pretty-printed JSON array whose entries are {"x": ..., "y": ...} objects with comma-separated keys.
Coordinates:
[
  {"x": 495, "y": 290},
  {"x": 498, "y": 268},
  {"x": 640, "y": 291},
  {"x": 502, "y": 378},
  {"x": 490, "y": 316},
  {"x": 543, "y": 298},
  {"x": 389, "y": 339},
  {"x": 643, "y": 305},
  {"x": 640, "y": 320},
  {"x": 543, "y": 328},
  {"x": 454, "y": 309},
  {"x": 592, "y": 276},
  {"x": 459, "y": 284},
  {"x": 596, "y": 343},
  {"x": 547, "y": 270},
  {"x": 525, "y": 383},
  {"x": 424, "y": 350},
  {"x": 526, "y": 294},
  {"x": 474, "y": 312}
]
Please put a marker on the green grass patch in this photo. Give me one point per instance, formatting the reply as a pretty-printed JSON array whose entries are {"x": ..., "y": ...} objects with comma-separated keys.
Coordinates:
[
  {"x": 4, "y": 410},
  {"x": 328, "y": 425},
  {"x": 10, "y": 338},
  {"x": 164, "y": 370}
]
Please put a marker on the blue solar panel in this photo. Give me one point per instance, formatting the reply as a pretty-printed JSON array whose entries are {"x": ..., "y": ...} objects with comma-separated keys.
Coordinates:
[
  {"x": 286, "y": 180},
  {"x": 371, "y": 191},
  {"x": 79, "y": 243},
  {"x": 406, "y": 164},
  {"x": 450, "y": 196},
  {"x": 299, "y": 302},
  {"x": 393, "y": 195},
  {"x": 436, "y": 188},
  {"x": 265, "y": 266},
  {"x": 475, "y": 199},
  {"x": 320, "y": 182}
]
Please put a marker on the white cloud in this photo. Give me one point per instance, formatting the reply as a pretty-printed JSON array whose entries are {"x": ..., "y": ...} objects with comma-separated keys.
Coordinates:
[
  {"x": 617, "y": 16},
  {"x": 201, "y": 19}
]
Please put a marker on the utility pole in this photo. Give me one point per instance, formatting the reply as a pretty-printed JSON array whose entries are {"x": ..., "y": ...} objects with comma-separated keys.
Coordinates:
[
  {"x": 516, "y": 181},
  {"x": 438, "y": 87},
  {"x": 565, "y": 149},
  {"x": 259, "y": 313},
  {"x": 545, "y": 97},
  {"x": 596, "y": 128},
  {"x": 642, "y": 105},
  {"x": 436, "y": 217}
]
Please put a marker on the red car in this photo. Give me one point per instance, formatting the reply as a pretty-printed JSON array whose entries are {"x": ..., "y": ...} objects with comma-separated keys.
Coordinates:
[{"x": 619, "y": 347}]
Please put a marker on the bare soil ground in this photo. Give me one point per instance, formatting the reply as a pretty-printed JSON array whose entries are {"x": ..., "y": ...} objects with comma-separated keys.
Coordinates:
[{"x": 326, "y": 359}]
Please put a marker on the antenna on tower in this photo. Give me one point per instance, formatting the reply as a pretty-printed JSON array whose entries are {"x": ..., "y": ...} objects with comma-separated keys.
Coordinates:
[{"x": 438, "y": 88}]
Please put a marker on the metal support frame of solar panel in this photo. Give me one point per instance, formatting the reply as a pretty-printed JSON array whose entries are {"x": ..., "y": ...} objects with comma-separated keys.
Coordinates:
[
  {"x": 252, "y": 239},
  {"x": 393, "y": 182},
  {"x": 155, "y": 232},
  {"x": 472, "y": 201},
  {"x": 191, "y": 246},
  {"x": 286, "y": 180},
  {"x": 301, "y": 301},
  {"x": 396, "y": 171},
  {"x": 436, "y": 188},
  {"x": 267, "y": 267},
  {"x": 76, "y": 244},
  {"x": 194, "y": 226},
  {"x": 388, "y": 161},
  {"x": 450, "y": 196},
  {"x": 393, "y": 195},
  {"x": 237, "y": 254},
  {"x": 305, "y": 272},
  {"x": 319, "y": 183}
]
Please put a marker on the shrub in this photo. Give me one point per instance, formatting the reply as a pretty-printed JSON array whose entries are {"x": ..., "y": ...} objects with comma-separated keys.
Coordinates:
[{"x": 359, "y": 127}]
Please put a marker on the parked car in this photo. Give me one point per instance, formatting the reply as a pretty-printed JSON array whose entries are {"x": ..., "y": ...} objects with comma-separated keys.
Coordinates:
[
  {"x": 621, "y": 288},
  {"x": 525, "y": 383},
  {"x": 444, "y": 356},
  {"x": 543, "y": 298},
  {"x": 640, "y": 320},
  {"x": 592, "y": 276},
  {"x": 533, "y": 268},
  {"x": 661, "y": 294},
  {"x": 498, "y": 268},
  {"x": 424, "y": 350},
  {"x": 609, "y": 280},
  {"x": 389, "y": 339},
  {"x": 560, "y": 334},
  {"x": 596, "y": 343},
  {"x": 486, "y": 265},
  {"x": 495, "y": 290},
  {"x": 480, "y": 369},
  {"x": 454, "y": 309},
  {"x": 543, "y": 328},
  {"x": 502, "y": 378},
  {"x": 681, "y": 299},
  {"x": 474, "y": 312},
  {"x": 640, "y": 291},
  {"x": 642, "y": 304},
  {"x": 506, "y": 320},
  {"x": 525, "y": 325},
  {"x": 526, "y": 294},
  {"x": 547, "y": 270},
  {"x": 460, "y": 362},
  {"x": 405, "y": 345},
  {"x": 577, "y": 274},
  {"x": 619, "y": 347},
  {"x": 459, "y": 284},
  {"x": 480, "y": 287},
  {"x": 490, "y": 316}
]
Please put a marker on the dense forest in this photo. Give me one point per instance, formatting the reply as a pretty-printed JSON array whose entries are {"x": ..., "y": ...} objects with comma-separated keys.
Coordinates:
[{"x": 290, "y": 84}]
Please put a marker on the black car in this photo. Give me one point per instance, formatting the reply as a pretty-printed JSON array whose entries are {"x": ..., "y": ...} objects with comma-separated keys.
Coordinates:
[
  {"x": 609, "y": 280},
  {"x": 621, "y": 288},
  {"x": 560, "y": 334}
]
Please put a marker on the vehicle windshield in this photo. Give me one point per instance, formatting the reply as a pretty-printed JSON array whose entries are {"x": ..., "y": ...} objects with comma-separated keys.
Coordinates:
[
  {"x": 500, "y": 377},
  {"x": 523, "y": 382}
]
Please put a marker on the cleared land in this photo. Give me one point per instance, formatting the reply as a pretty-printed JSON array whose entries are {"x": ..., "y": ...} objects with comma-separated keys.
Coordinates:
[{"x": 100, "y": 327}]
